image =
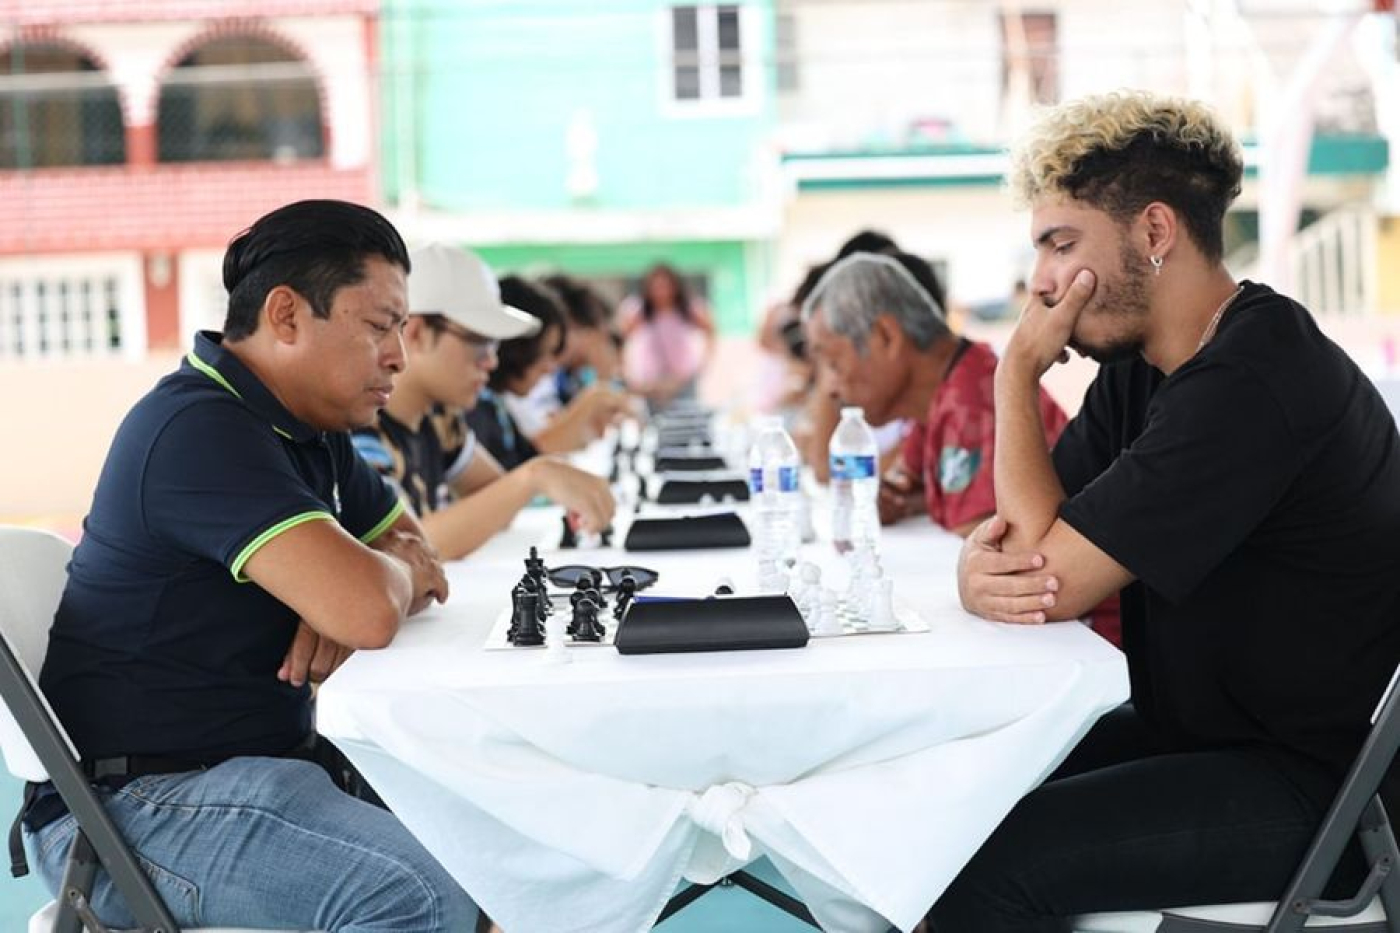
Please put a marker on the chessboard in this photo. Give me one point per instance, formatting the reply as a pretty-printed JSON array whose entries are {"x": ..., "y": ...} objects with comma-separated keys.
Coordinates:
[
  {"x": 907, "y": 620},
  {"x": 853, "y": 622}
]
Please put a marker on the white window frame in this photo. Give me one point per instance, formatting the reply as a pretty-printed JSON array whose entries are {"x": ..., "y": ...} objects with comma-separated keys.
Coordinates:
[
  {"x": 122, "y": 270},
  {"x": 203, "y": 300},
  {"x": 710, "y": 103}
]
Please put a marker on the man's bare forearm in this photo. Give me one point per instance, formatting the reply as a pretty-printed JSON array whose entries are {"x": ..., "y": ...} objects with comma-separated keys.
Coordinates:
[{"x": 1028, "y": 490}]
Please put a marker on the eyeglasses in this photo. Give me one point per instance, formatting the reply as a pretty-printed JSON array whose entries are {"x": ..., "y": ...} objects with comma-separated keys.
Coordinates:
[
  {"x": 484, "y": 346},
  {"x": 569, "y": 575}
]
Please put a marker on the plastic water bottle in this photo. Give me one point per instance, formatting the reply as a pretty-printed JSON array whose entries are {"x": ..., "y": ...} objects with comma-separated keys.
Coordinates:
[
  {"x": 774, "y": 473},
  {"x": 855, "y": 483}
]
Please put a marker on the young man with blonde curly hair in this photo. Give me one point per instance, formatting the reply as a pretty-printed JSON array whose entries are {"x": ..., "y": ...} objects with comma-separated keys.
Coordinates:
[{"x": 1237, "y": 477}]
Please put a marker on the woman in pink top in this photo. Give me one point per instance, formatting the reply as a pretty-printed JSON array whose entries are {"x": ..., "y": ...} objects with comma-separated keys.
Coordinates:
[{"x": 668, "y": 339}]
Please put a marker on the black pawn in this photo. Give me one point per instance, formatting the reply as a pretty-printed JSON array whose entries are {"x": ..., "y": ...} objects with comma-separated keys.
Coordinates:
[
  {"x": 586, "y": 627},
  {"x": 569, "y": 539},
  {"x": 577, "y": 596},
  {"x": 626, "y": 592}
]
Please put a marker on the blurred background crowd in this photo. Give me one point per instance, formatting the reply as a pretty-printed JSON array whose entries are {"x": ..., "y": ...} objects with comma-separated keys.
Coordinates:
[{"x": 661, "y": 183}]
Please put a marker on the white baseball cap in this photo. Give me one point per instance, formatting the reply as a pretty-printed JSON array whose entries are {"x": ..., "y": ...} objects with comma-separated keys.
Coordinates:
[{"x": 455, "y": 283}]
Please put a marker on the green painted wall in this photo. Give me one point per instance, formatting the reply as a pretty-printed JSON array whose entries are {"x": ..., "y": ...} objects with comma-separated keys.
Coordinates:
[
  {"x": 725, "y": 264},
  {"x": 478, "y": 96}
]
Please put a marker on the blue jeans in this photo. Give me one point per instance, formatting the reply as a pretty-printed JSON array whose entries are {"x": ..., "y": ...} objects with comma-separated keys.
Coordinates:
[{"x": 268, "y": 843}]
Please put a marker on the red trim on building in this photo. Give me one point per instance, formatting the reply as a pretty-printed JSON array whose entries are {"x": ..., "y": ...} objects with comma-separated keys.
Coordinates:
[
  {"x": 141, "y": 145},
  {"x": 160, "y": 275},
  {"x": 160, "y": 207}
]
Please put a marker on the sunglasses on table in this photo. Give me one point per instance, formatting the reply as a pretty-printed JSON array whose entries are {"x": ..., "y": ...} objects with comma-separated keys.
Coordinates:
[{"x": 569, "y": 575}]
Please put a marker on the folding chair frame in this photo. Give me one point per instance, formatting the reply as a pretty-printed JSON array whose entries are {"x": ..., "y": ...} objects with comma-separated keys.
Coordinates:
[
  {"x": 1356, "y": 811},
  {"x": 97, "y": 842}
]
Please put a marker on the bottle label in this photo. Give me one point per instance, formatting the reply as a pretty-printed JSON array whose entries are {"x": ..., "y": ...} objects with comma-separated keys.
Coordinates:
[
  {"x": 786, "y": 480},
  {"x": 852, "y": 466}
]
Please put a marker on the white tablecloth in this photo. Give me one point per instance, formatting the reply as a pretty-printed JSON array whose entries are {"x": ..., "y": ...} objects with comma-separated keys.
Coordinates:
[{"x": 575, "y": 797}]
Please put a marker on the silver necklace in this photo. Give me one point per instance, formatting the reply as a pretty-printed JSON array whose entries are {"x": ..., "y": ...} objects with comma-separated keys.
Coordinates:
[{"x": 1215, "y": 318}]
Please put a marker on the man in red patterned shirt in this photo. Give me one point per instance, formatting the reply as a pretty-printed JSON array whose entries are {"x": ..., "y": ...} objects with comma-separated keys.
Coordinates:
[{"x": 886, "y": 343}]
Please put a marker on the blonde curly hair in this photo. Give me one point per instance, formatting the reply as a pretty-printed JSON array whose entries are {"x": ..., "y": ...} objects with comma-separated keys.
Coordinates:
[{"x": 1124, "y": 150}]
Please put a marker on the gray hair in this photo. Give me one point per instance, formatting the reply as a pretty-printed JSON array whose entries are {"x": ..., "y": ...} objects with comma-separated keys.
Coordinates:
[{"x": 863, "y": 286}]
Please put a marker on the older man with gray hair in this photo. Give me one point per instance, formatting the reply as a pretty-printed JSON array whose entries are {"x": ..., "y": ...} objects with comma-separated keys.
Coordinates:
[{"x": 886, "y": 344}]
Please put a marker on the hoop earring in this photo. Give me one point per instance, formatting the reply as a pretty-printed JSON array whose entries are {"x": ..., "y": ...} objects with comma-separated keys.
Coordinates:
[{"x": 1156, "y": 264}]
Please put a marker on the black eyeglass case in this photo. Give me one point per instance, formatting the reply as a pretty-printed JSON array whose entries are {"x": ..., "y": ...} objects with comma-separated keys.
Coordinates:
[
  {"x": 687, "y": 491},
  {"x": 681, "y": 464},
  {"x": 724, "y": 529},
  {"x": 722, "y": 623}
]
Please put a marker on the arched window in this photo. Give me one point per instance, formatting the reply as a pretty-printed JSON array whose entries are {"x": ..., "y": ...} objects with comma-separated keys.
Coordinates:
[
  {"x": 57, "y": 107},
  {"x": 239, "y": 97}
]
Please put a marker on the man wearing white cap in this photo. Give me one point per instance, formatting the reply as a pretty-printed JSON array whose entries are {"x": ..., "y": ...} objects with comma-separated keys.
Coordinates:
[{"x": 421, "y": 442}]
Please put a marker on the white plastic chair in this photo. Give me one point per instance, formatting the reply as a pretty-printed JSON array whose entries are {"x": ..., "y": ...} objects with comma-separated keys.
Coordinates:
[
  {"x": 33, "y": 569},
  {"x": 1356, "y": 812}
]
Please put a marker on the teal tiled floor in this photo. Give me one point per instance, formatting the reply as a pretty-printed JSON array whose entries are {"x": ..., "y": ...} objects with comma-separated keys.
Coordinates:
[{"x": 734, "y": 910}]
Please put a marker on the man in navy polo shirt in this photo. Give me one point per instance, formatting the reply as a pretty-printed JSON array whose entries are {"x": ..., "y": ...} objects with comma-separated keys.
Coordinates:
[{"x": 236, "y": 549}]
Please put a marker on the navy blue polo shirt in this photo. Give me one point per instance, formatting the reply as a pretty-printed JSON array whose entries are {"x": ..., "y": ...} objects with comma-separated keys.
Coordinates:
[{"x": 160, "y": 645}]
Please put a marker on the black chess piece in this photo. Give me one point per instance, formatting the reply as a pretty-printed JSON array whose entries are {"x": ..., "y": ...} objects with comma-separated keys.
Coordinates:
[
  {"x": 626, "y": 592},
  {"x": 515, "y": 598},
  {"x": 605, "y": 536},
  {"x": 525, "y": 630},
  {"x": 585, "y": 621},
  {"x": 528, "y": 584},
  {"x": 569, "y": 539},
  {"x": 580, "y": 591},
  {"x": 534, "y": 565}
]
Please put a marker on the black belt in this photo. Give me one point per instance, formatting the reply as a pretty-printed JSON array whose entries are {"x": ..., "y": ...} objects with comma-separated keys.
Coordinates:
[
  {"x": 113, "y": 772},
  {"x": 39, "y": 809}
]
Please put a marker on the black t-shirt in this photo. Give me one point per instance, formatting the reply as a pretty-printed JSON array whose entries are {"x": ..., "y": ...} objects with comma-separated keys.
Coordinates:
[
  {"x": 1255, "y": 495},
  {"x": 160, "y": 646},
  {"x": 497, "y": 431},
  {"x": 423, "y": 462}
]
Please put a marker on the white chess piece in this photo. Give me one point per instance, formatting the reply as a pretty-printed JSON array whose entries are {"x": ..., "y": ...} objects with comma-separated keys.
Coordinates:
[
  {"x": 556, "y": 639},
  {"x": 829, "y": 622},
  {"x": 809, "y": 585},
  {"x": 882, "y": 618},
  {"x": 862, "y": 582}
]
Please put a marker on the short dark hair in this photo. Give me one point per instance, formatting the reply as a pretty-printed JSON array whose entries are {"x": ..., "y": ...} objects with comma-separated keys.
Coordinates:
[
  {"x": 809, "y": 283},
  {"x": 1120, "y": 152},
  {"x": 517, "y": 355},
  {"x": 923, "y": 272},
  {"x": 582, "y": 303},
  {"x": 867, "y": 241},
  {"x": 314, "y": 247}
]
